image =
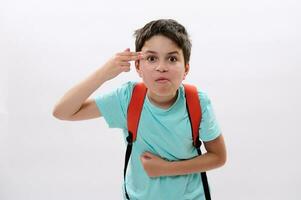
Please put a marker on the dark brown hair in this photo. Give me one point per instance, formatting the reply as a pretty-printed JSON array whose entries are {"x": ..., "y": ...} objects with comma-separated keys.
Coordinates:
[{"x": 168, "y": 28}]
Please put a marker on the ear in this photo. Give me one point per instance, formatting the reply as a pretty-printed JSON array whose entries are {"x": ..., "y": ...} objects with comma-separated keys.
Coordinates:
[
  {"x": 187, "y": 67},
  {"x": 138, "y": 68}
]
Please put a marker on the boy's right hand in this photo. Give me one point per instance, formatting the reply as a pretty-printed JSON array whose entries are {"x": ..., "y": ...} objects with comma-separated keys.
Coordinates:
[{"x": 120, "y": 63}]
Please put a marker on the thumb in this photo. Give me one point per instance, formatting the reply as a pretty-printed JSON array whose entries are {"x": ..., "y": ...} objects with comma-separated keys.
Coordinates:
[{"x": 127, "y": 49}]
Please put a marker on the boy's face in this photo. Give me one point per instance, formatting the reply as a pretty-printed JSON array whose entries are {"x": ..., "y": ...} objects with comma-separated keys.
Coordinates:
[{"x": 162, "y": 67}]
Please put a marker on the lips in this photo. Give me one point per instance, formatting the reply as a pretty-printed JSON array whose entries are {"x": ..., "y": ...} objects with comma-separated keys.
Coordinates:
[{"x": 162, "y": 79}]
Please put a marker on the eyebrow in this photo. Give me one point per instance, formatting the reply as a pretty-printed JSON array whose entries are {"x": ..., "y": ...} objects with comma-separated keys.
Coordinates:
[{"x": 154, "y": 52}]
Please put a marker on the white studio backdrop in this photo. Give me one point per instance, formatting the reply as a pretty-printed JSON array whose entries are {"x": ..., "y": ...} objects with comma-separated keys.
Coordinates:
[{"x": 245, "y": 55}]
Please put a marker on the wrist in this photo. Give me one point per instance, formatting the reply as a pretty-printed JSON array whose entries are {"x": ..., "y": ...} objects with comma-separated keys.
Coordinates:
[{"x": 167, "y": 169}]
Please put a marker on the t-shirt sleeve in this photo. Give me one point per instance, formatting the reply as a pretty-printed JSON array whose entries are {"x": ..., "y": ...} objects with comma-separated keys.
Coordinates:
[
  {"x": 113, "y": 105},
  {"x": 209, "y": 128}
]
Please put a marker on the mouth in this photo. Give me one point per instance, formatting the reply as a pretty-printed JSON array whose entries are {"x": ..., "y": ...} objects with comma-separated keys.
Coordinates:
[{"x": 162, "y": 80}]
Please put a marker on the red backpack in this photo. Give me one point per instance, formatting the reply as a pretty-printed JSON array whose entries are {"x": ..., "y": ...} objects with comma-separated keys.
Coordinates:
[{"x": 134, "y": 113}]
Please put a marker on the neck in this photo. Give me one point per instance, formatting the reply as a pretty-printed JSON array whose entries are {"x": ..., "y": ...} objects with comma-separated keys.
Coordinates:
[{"x": 162, "y": 101}]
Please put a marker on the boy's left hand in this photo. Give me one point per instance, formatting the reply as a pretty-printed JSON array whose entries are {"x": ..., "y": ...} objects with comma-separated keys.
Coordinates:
[{"x": 153, "y": 165}]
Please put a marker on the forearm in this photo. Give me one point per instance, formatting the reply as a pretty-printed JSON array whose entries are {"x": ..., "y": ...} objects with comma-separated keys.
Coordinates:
[
  {"x": 72, "y": 101},
  {"x": 197, "y": 164}
]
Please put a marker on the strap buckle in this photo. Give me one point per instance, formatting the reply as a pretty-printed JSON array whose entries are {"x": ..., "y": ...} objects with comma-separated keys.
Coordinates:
[
  {"x": 129, "y": 138},
  {"x": 197, "y": 144}
]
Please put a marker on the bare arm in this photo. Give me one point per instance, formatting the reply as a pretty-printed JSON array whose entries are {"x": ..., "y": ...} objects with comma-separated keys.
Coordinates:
[
  {"x": 75, "y": 105},
  {"x": 74, "y": 101},
  {"x": 213, "y": 158}
]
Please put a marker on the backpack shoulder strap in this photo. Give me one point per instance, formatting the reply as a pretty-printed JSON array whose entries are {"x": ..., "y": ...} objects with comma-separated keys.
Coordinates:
[
  {"x": 195, "y": 115},
  {"x": 194, "y": 111},
  {"x": 135, "y": 108},
  {"x": 133, "y": 116}
]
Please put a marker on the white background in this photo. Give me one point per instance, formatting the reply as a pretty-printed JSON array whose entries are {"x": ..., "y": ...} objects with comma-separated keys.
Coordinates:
[{"x": 245, "y": 55}]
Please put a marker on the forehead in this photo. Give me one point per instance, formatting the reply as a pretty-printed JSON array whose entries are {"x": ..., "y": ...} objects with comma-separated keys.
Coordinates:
[{"x": 161, "y": 45}]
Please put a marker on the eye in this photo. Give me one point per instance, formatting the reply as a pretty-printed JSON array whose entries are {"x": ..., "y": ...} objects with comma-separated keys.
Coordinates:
[
  {"x": 151, "y": 58},
  {"x": 172, "y": 59}
]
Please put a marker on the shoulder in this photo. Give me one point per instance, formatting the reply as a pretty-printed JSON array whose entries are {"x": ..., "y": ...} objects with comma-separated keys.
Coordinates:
[
  {"x": 119, "y": 96},
  {"x": 204, "y": 98},
  {"x": 202, "y": 94},
  {"x": 124, "y": 93},
  {"x": 127, "y": 86},
  {"x": 125, "y": 90}
]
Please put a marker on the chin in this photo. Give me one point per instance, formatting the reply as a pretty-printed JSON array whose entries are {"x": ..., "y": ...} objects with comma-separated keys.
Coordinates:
[{"x": 164, "y": 91}]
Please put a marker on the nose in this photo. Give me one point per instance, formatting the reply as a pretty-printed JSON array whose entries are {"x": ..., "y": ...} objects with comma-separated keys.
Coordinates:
[{"x": 161, "y": 67}]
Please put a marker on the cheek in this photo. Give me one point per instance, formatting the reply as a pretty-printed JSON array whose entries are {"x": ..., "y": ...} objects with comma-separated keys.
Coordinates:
[
  {"x": 178, "y": 73},
  {"x": 146, "y": 70},
  {"x": 145, "y": 73},
  {"x": 147, "y": 66}
]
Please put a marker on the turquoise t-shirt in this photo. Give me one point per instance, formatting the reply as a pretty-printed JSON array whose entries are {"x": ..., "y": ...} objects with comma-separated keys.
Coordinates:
[{"x": 163, "y": 132}]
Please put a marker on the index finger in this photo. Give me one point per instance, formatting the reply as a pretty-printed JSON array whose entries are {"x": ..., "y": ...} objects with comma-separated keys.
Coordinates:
[
  {"x": 127, "y": 53},
  {"x": 131, "y": 56}
]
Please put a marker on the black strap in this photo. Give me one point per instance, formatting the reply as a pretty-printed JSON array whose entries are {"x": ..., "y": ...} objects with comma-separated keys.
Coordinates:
[
  {"x": 203, "y": 174},
  {"x": 197, "y": 145},
  {"x": 127, "y": 158}
]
